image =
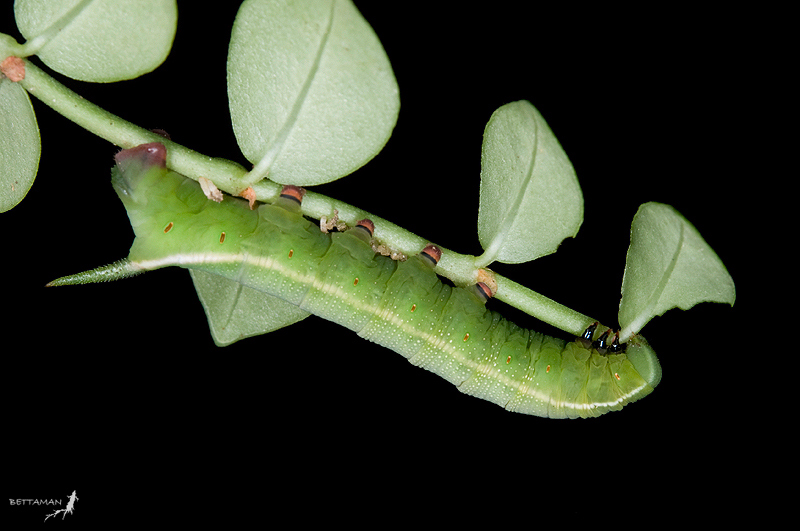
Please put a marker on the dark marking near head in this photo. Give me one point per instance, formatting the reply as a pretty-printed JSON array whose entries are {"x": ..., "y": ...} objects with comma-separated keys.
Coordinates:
[
  {"x": 367, "y": 225},
  {"x": 600, "y": 345},
  {"x": 588, "y": 334},
  {"x": 483, "y": 291},
  {"x": 295, "y": 193},
  {"x": 431, "y": 254},
  {"x": 616, "y": 346}
]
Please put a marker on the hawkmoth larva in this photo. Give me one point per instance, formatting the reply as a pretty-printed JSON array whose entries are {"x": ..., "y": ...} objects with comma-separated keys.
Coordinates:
[{"x": 402, "y": 305}]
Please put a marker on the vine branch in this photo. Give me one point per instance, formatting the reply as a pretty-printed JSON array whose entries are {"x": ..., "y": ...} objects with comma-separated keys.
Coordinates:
[{"x": 228, "y": 176}]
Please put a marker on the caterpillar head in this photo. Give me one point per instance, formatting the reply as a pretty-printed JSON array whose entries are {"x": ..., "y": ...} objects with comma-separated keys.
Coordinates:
[{"x": 644, "y": 360}]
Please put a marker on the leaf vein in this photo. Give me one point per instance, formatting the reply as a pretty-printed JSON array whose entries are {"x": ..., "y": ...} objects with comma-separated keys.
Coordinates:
[{"x": 261, "y": 169}]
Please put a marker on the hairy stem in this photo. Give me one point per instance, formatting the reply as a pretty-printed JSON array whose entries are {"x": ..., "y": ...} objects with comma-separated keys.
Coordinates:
[
  {"x": 230, "y": 177},
  {"x": 224, "y": 173}
]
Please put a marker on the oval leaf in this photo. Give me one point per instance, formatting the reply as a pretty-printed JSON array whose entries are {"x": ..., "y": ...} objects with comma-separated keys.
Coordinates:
[
  {"x": 235, "y": 311},
  {"x": 312, "y": 94},
  {"x": 99, "y": 40},
  {"x": 20, "y": 145},
  {"x": 530, "y": 199},
  {"x": 669, "y": 265}
]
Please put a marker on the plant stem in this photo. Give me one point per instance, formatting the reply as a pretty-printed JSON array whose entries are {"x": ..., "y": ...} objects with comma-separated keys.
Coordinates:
[
  {"x": 224, "y": 173},
  {"x": 228, "y": 176},
  {"x": 547, "y": 310}
]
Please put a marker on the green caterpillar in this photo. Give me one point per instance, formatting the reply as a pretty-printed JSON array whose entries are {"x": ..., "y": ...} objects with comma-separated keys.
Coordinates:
[{"x": 402, "y": 305}]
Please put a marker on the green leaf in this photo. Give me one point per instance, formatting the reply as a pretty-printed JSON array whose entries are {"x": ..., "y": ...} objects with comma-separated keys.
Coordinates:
[
  {"x": 669, "y": 265},
  {"x": 98, "y": 40},
  {"x": 312, "y": 94},
  {"x": 530, "y": 199},
  {"x": 20, "y": 145},
  {"x": 235, "y": 312}
]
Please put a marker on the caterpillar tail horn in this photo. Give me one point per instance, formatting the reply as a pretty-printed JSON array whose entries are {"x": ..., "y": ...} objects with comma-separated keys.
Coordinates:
[{"x": 118, "y": 270}]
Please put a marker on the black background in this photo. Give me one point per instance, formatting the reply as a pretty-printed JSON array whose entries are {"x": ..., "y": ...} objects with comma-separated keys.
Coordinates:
[{"x": 117, "y": 390}]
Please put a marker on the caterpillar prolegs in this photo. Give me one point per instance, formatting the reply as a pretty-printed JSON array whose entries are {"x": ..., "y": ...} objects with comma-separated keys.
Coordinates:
[{"x": 401, "y": 305}]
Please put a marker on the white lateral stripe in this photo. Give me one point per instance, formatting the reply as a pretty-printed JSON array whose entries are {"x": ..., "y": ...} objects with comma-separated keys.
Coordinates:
[{"x": 265, "y": 262}]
